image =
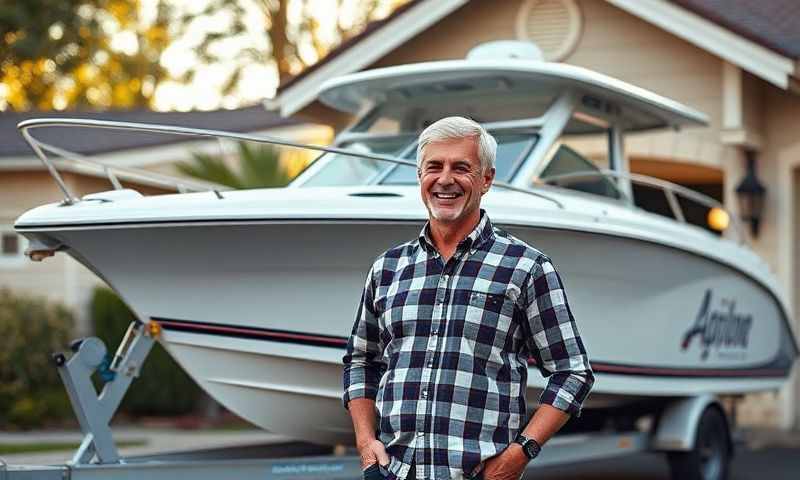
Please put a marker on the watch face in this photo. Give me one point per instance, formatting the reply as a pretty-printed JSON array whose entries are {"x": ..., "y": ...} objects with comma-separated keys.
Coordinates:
[
  {"x": 529, "y": 446},
  {"x": 530, "y": 449}
]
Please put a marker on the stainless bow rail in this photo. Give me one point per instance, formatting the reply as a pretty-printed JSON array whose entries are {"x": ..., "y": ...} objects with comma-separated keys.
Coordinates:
[{"x": 179, "y": 184}]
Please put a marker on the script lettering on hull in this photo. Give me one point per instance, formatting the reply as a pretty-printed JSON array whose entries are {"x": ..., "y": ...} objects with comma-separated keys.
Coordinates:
[{"x": 719, "y": 327}]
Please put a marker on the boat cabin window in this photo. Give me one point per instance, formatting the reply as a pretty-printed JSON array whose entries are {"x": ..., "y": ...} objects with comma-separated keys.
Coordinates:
[
  {"x": 578, "y": 157},
  {"x": 348, "y": 170},
  {"x": 584, "y": 176},
  {"x": 512, "y": 149}
]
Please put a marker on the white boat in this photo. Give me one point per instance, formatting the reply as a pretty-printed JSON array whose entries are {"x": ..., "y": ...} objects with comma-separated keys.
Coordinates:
[{"x": 255, "y": 291}]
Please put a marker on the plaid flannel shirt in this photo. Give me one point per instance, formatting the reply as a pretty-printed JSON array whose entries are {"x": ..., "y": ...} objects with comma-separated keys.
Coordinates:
[{"x": 443, "y": 349}]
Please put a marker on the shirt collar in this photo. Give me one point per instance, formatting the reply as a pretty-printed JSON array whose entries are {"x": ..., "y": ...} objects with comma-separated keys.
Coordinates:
[{"x": 482, "y": 233}]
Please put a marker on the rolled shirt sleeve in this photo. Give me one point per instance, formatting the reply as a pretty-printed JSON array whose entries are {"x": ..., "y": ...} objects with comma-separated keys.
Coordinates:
[
  {"x": 363, "y": 364},
  {"x": 555, "y": 341}
]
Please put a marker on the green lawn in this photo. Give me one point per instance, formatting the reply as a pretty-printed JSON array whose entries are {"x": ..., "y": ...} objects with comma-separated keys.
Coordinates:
[{"x": 14, "y": 448}]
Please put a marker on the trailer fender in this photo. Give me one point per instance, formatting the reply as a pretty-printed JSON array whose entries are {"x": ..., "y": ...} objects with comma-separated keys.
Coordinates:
[{"x": 677, "y": 425}]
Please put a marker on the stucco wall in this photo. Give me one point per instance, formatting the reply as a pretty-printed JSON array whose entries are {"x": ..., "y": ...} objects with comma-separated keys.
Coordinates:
[
  {"x": 475, "y": 23},
  {"x": 774, "y": 114}
]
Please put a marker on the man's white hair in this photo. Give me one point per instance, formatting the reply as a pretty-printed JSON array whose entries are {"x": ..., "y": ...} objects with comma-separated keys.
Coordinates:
[{"x": 456, "y": 128}]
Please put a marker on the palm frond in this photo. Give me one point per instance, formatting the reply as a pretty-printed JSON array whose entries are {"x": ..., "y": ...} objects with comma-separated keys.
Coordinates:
[
  {"x": 259, "y": 167},
  {"x": 210, "y": 168}
]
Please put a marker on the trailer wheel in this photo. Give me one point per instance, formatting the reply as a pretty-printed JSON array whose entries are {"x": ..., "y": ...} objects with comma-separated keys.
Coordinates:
[{"x": 710, "y": 458}]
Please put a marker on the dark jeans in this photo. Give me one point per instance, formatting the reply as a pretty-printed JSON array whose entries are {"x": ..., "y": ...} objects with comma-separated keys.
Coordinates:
[
  {"x": 374, "y": 473},
  {"x": 412, "y": 472}
]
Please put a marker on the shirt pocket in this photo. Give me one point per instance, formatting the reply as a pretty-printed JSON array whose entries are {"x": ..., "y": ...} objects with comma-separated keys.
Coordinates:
[
  {"x": 489, "y": 303},
  {"x": 488, "y": 322}
]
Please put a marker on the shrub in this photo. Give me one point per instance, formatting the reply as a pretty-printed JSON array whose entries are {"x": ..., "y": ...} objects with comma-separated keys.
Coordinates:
[
  {"x": 31, "y": 328},
  {"x": 162, "y": 388}
]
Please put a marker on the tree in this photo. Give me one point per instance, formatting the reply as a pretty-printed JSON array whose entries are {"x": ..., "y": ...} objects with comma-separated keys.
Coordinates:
[
  {"x": 259, "y": 167},
  {"x": 294, "y": 41},
  {"x": 81, "y": 53},
  {"x": 108, "y": 53}
]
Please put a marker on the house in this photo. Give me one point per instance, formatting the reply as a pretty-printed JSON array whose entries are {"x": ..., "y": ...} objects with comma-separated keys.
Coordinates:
[
  {"x": 735, "y": 60},
  {"x": 25, "y": 182}
]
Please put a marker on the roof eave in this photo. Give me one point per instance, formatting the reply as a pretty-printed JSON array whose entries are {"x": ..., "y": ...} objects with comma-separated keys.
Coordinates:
[
  {"x": 752, "y": 57},
  {"x": 769, "y": 65}
]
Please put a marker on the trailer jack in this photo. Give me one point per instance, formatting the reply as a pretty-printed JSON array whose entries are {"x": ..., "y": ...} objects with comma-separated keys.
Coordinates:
[{"x": 93, "y": 411}]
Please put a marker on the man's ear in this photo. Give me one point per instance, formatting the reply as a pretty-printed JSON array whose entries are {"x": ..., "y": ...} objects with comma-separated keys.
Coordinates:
[{"x": 488, "y": 178}]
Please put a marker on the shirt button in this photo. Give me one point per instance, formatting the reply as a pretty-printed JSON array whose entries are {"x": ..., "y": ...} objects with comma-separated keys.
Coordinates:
[
  {"x": 430, "y": 364},
  {"x": 435, "y": 332},
  {"x": 424, "y": 394},
  {"x": 420, "y": 434}
]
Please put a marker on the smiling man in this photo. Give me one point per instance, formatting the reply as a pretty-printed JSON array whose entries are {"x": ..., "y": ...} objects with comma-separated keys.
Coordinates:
[{"x": 436, "y": 366}]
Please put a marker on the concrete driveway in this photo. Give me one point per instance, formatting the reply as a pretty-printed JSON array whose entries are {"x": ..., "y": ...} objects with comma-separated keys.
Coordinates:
[
  {"x": 766, "y": 464},
  {"x": 765, "y": 455}
]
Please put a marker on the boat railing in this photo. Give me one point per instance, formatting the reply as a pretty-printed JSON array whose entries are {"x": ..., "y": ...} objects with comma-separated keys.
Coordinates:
[
  {"x": 112, "y": 172},
  {"x": 671, "y": 191}
]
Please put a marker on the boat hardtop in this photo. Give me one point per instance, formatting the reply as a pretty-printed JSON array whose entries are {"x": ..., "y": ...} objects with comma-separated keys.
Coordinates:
[{"x": 531, "y": 79}]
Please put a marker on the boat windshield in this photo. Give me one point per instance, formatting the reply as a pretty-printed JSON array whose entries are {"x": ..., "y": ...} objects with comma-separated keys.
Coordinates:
[
  {"x": 569, "y": 169},
  {"x": 513, "y": 147}
]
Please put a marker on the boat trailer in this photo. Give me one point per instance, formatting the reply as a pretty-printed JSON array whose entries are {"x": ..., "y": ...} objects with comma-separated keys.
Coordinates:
[{"x": 677, "y": 433}]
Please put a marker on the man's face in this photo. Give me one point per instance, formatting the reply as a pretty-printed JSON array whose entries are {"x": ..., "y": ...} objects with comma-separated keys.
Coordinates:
[{"x": 451, "y": 179}]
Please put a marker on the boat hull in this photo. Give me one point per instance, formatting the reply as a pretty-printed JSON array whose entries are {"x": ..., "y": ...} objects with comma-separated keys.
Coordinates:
[{"x": 261, "y": 322}]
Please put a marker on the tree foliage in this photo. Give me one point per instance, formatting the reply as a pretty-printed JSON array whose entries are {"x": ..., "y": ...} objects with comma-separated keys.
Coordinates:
[
  {"x": 81, "y": 53},
  {"x": 296, "y": 34},
  {"x": 259, "y": 167},
  {"x": 109, "y": 53}
]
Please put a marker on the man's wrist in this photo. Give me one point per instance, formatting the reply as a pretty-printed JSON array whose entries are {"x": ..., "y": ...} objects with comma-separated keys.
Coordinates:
[
  {"x": 518, "y": 452},
  {"x": 364, "y": 440}
]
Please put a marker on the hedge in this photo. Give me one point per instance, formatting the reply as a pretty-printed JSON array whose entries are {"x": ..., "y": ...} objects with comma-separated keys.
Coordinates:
[{"x": 31, "y": 328}]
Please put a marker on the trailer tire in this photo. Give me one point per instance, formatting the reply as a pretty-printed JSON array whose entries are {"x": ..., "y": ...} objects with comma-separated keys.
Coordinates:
[{"x": 711, "y": 455}]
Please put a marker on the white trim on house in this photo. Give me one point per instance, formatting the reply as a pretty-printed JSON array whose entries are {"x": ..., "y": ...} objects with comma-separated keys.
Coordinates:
[
  {"x": 377, "y": 44},
  {"x": 693, "y": 28},
  {"x": 735, "y": 131},
  {"x": 24, "y": 163}
]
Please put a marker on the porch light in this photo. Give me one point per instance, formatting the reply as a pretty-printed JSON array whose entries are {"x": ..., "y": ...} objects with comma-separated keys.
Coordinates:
[
  {"x": 750, "y": 193},
  {"x": 718, "y": 219}
]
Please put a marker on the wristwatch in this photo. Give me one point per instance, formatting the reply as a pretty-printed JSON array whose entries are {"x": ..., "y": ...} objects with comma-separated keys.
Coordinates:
[{"x": 530, "y": 446}]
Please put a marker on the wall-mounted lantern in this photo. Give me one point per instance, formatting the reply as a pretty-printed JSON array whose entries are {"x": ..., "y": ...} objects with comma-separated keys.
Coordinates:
[{"x": 751, "y": 193}]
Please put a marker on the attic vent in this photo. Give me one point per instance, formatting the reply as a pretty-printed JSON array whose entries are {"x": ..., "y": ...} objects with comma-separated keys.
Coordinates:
[{"x": 553, "y": 25}]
